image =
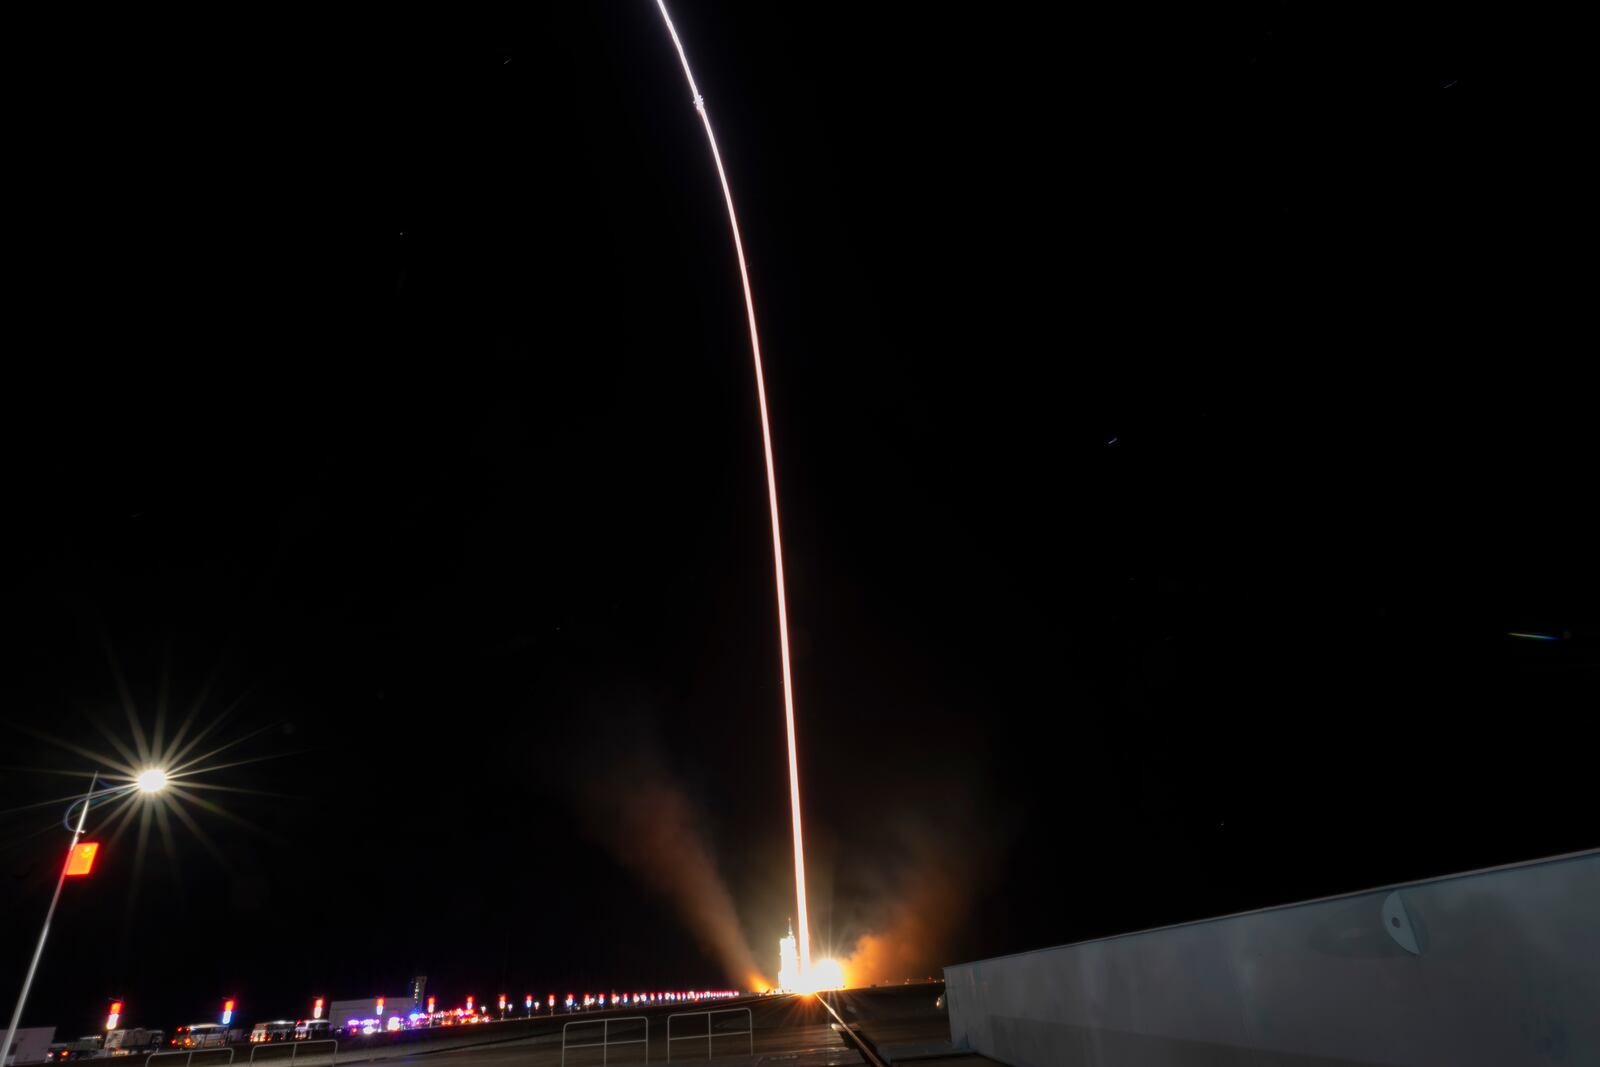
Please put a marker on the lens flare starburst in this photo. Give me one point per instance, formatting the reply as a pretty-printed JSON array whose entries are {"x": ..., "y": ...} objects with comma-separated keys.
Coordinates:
[
  {"x": 824, "y": 975},
  {"x": 147, "y": 777}
]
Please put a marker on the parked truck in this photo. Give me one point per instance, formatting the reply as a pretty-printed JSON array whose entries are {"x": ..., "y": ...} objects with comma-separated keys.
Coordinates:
[
  {"x": 130, "y": 1040},
  {"x": 201, "y": 1035}
]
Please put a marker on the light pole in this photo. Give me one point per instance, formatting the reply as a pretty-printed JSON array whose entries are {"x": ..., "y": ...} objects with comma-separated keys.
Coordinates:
[{"x": 151, "y": 781}]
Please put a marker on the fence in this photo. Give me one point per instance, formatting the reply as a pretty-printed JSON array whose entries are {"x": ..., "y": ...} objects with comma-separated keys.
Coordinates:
[
  {"x": 190, "y": 1054},
  {"x": 605, "y": 1043},
  {"x": 712, "y": 1032},
  {"x": 294, "y": 1049}
]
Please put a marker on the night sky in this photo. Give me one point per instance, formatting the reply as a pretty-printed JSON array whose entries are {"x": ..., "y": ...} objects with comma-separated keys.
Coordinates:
[{"x": 1173, "y": 416}]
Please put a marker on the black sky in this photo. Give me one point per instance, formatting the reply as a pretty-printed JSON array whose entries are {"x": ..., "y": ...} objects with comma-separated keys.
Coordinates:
[{"x": 1173, "y": 415}]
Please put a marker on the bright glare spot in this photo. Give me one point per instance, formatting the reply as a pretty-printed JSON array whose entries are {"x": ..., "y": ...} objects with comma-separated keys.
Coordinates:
[
  {"x": 152, "y": 781},
  {"x": 793, "y": 977},
  {"x": 825, "y": 974}
]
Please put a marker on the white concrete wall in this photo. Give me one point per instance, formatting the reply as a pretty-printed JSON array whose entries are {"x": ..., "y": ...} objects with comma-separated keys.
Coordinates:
[
  {"x": 30, "y": 1044},
  {"x": 1496, "y": 968}
]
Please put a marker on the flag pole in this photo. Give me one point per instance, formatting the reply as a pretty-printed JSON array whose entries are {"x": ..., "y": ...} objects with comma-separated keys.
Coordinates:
[{"x": 27, "y": 983}]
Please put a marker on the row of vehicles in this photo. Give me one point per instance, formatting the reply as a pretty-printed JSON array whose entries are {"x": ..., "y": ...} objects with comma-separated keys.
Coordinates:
[
  {"x": 291, "y": 1030},
  {"x": 123, "y": 1042},
  {"x": 362, "y": 1017},
  {"x": 135, "y": 1040}
]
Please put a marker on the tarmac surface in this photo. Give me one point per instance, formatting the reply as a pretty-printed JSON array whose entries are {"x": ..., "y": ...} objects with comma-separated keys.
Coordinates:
[
  {"x": 902, "y": 1025},
  {"x": 895, "y": 1024}
]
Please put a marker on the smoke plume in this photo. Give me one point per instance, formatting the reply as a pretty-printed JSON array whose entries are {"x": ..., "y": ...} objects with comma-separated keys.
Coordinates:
[
  {"x": 929, "y": 871},
  {"x": 652, "y": 827}
]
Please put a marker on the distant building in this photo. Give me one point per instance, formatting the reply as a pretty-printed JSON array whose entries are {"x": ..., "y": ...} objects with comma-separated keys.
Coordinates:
[
  {"x": 342, "y": 1012},
  {"x": 30, "y": 1044}
]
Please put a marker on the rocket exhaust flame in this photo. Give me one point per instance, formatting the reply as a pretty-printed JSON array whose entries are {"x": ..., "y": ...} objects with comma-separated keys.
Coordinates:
[{"x": 801, "y": 914}]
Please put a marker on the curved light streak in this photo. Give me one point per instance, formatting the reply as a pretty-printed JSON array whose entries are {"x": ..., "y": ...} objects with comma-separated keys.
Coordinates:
[{"x": 772, "y": 500}]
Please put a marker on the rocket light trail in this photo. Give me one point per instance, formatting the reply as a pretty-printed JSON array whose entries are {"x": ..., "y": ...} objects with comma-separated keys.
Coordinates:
[{"x": 772, "y": 501}]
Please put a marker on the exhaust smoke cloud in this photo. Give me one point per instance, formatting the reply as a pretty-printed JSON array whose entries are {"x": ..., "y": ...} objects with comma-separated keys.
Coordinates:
[
  {"x": 919, "y": 895},
  {"x": 655, "y": 830}
]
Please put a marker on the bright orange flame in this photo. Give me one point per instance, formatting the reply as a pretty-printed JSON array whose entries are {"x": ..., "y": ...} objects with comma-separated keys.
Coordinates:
[
  {"x": 824, "y": 974},
  {"x": 886, "y": 957}
]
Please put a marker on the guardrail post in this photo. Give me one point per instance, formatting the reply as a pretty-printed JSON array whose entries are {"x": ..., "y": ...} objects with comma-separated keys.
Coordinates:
[
  {"x": 710, "y": 1035},
  {"x": 605, "y": 1037},
  {"x": 294, "y": 1049}
]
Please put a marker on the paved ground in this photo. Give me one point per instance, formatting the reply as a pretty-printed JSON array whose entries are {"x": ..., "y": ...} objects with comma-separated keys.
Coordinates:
[
  {"x": 903, "y": 1025},
  {"x": 783, "y": 1032},
  {"x": 894, "y": 1015},
  {"x": 900, "y": 1024}
]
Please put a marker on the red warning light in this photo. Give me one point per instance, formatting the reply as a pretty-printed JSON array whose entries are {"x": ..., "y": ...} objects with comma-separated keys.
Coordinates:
[{"x": 81, "y": 859}]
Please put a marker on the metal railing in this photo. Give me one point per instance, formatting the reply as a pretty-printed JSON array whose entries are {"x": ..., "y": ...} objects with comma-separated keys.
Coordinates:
[
  {"x": 294, "y": 1047},
  {"x": 712, "y": 1032},
  {"x": 190, "y": 1053},
  {"x": 850, "y": 1035},
  {"x": 605, "y": 1043}
]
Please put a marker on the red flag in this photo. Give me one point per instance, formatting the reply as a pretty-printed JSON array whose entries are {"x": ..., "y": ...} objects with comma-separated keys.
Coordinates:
[{"x": 81, "y": 860}]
